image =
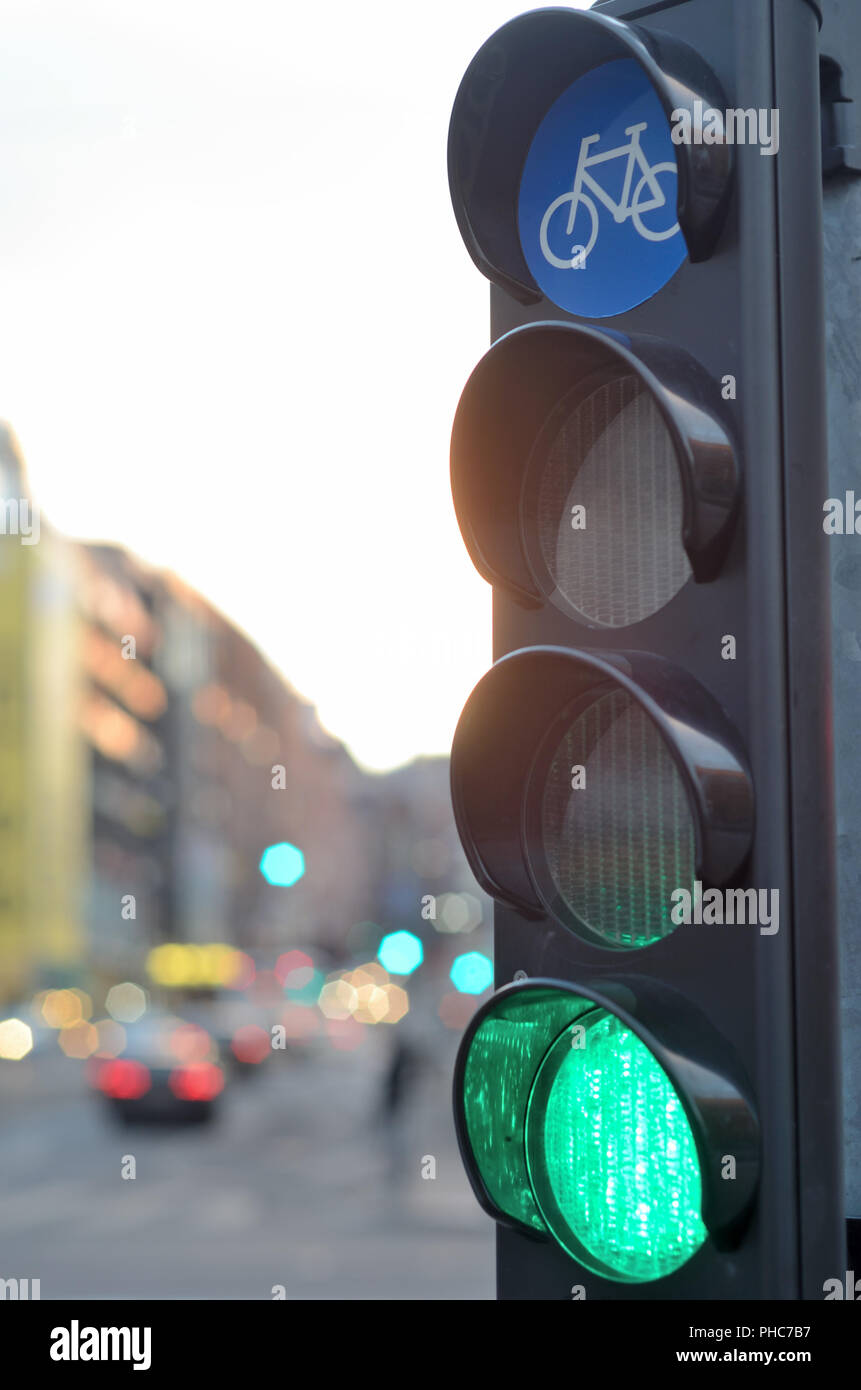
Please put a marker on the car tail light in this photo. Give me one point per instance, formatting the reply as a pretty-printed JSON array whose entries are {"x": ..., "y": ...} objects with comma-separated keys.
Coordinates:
[
  {"x": 123, "y": 1079},
  {"x": 200, "y": 1081}
]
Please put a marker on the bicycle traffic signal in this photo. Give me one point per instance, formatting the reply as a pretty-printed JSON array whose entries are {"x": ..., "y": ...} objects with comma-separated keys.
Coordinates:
[{"x": 648, "y": 1105}]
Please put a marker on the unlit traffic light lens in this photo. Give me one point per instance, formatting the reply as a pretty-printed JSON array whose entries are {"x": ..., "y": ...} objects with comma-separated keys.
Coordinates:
[
  {"x": 617, "y": 835},
  {"x": 611, "y": 1155},
  {"x": 602, "y": 504}
]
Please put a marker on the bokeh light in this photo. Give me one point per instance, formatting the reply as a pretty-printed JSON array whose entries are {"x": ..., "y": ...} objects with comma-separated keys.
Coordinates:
[
  {"x": 111, "y": 1038},
  {"x": 122, "y": 1079},
  {"x": 190, "y": 1043},
  {"x": 79, "y": 1040},
  {"x": 16, "y": 1039},
  {"x": 243, "y": 972},
  {"x": 282, "y": 865},
  {"x": 290, "y": 961},
  {"x": 471, "y": 973},
  {"x": 64, "y": 1008},
  {"x": 251, "y": 1044},
  {"x": 126, "y": 1002},
  {"x": 303, "y": 986},
  {"x": 338, "y": 999},
  {"x": 458, "y": 913},
  {"x": 365, "y": 994},
  {"x": 398, "y": 1003},
  {"x": 185, "y": 964},
  {"x": 372, "y": 1004},
  {"x": 198, "y": 1081},
  {"x": 169, "y": 964},
  {"x": 401, "y": 952}
]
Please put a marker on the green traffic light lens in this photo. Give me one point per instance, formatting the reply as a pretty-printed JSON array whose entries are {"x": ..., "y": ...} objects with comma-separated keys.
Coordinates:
[
  {"x": 611, "y": 1157},
  {"x": 503, "y": 1057},
  {"x": 575, "y": 1129}
]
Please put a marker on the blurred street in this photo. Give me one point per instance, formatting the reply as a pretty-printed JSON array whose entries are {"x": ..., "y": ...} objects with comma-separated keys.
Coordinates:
[
  {"x": 210, "y": 911},
  {"x": 295, "y": 1183}
]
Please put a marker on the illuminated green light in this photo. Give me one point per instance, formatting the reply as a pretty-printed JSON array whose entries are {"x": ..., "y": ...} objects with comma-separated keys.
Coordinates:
[
  {"x": 611, "y": 1155},
  {"x": 503, "y": 1058}
]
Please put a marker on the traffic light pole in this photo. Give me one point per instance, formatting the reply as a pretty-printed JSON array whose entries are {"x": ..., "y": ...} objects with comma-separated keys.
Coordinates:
[{"x": 840, "y": 46}]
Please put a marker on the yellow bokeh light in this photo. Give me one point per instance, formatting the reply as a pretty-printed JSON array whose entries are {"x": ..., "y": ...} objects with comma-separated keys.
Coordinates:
[
  {"x": 63, "y": 1008},
  {"x": 398, "y": 1003},
  {"x": 374, "y": 972},
  {"x": 85, "y": 1002},
  {"x": 338, "y": 999},
  {"x": 372, "y": 1004},
  {"x": 79, "y": 1039},
  {"x": 16, "y": 1039},
  {"x": 220, "y": 963},
  {"x": 168, "y": 964},
  {"x": 181, "y": 964}
]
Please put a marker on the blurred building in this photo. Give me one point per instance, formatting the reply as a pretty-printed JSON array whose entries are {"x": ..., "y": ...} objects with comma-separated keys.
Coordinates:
[
  {"x": 252, "y": 767},
  {"x": 42, "y": 786},
  {"x": 149, "y": 753},
  {"x": 123, "y": 722}
]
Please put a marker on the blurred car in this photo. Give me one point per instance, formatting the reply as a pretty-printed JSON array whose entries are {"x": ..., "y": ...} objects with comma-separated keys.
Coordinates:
[
  {"x": 169, "y": 1069},
  {"x": 239, "y": 1027}
]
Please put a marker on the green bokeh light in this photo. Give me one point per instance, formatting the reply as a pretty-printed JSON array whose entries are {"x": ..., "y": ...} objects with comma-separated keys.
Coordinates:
[{"x": 282, "y": 865}]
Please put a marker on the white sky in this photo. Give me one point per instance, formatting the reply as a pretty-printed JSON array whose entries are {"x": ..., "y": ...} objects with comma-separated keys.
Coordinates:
[{"x": 237, "y": 317}]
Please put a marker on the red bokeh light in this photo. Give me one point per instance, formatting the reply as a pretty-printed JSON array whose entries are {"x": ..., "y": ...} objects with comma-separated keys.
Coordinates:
[
  {"x": 250, "y": 1043},
  {"x": 123, "y": 1079},
  {"x": 200, "y": 1081},
  {"x": 290, "y": 961}
]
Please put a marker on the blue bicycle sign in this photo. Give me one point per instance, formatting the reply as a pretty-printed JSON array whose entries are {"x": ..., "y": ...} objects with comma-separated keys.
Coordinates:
[
  {"x": 606, "y": 238},
  {"x": 648, "y": 196}
]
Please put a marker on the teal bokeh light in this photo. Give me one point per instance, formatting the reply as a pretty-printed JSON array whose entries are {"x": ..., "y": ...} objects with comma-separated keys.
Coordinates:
[
  {"x": 401, "y": 952},
  {"x": 282, "y": 865},
  {"x": 303, "y": 987},
  {"x": 471, "y": 973}
]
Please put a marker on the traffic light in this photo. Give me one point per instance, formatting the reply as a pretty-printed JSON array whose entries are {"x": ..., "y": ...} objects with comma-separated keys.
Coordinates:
[{"x": 649, "y": 1103}]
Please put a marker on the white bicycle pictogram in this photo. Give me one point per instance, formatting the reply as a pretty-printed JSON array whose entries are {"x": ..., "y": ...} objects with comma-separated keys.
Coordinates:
[{"x": 627, "y": 207}]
